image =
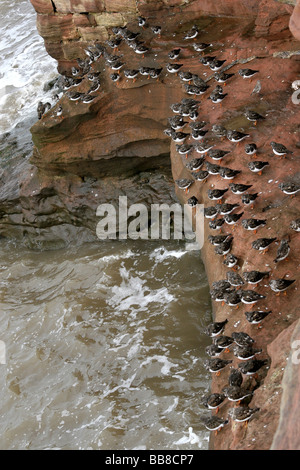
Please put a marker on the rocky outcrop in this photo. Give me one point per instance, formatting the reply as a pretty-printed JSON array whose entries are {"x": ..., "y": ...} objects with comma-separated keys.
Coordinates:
[{"x": 116, "y": 146}]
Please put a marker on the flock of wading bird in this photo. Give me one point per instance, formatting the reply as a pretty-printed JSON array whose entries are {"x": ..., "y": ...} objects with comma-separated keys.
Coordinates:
[{"x": 229, "y": 291}]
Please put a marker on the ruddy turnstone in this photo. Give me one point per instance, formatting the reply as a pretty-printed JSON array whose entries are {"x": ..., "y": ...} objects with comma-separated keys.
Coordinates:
[
  {"x": 245, "y": 352},
  {"x": 129, "y": 35},
  {"x": 93, "y": 76},
  {"x": 237, "y": 188},
  {"x": 234, "y": 393},
  {"x": 200, "y": 47},
  {"x": 94, "y": 87},
  {"x": 253, "y": 224},
  {"x": 141, "y": 21},
  {"x": 230, "y": 260},
  {"x": 212, "y": 401},
  {"x": 218, "y": 239},
  {"x": 222, "y": 284},
  {"x": 213, "y": 351},
  {"x": 222, "y": 77},
  {"x": 206, "y": 60},
  {"x": 263, "y": 244},
  {"x": 212, "y": 168},
  {"x": 217, "y": 97},
  {"x": 114, "y": 42},
  {"x": 184, "y": 183},
  {"x": 210, "y": 212},
  {"x": 226, "y": 208},
  {"x": 235, "y": 378},
  {"x": 280, "y": 285},
  {"x": 74, "y": 95},
  {"x": 257, "y": 167},
  {"x": 200, "y": 175},
  {"x": 282, "y": 251},
  {"x": 248, "y": 198},
  {"x": 155, "y": 73},
  {"x": 217, "y": 154},
  {"x": 216, "y": 224},
  {"x": 236, "y": 136},
  {"x": 295, "y": 225},
  {"x": 145, "y": 71},
  {"x": 184, "y": 149},
  {"x": 193, "y": 114},
  {"x": 242, "y": 339},
  {"x": 250, "y": 149},
  {"x": 140, "y": 49},
  {"x": 199, "y": 134},
  {"x": 224, "y": 247},
  {"x": 224, "y": 342},
  {"x": 289, "y": 188},
  {"x": 191, "y": 33},
  {"x": 198, "y": 80},
  {"x": 156, "y": 30},
  {"x": 87, "y": 99},
  {"x": 185, "y": 76},
  {"x": 255, "y": 317},
  {"x": 195, "y": 90},
  {"x": 280, "y": 149},
  {"x": 42, "y": 108},
  {"x": 75, "y": 71},
  {"x": 195, "y": 164},
  {"x": 247, "y": 73},
  {"x": 231, "y": 219},
  {"x": 203, "y": 147},
  {"x": 228, "y": 173},
  {"x": 215, "y": 328},
  {"x": 59, "y": 111},
  {"x": 179, "y": 136},
  {"x": 116, "y": 65},
  {"x": 191, "y": 102},
  {"x": 215, "y": 365},
  {"x": 131, "y": 73},
  {"x": 253, "y": 116},
  {"x": 192, "y": 201},
  {"x": 219, "y": 131},
  {"x": 250, "y": 297},
  {"x": 232, "y": 299},
  {"x": 177, "y": 122},
  {"x": 234, "y": 279},
  {"x": 242, "y": 413},
  {"x": 252, "y": 366},
  {"x": 173, "y": 68},
  {"x": 216, "y": 64},
  {"x": 254, "y": 277},
  {"x": 218, "y": 294},
  {"x": 174, "y": 54},
  {"x": 216, "y": 194},
  {"x": 213, "y": 423}
]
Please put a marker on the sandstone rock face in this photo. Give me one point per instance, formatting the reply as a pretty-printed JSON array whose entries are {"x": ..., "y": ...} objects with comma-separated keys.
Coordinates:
[{"x": 96, "y": 152}]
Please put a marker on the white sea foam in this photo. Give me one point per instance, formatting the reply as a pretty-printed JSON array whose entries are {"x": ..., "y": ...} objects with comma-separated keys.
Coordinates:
[
  {"x": 166, "y": 367},
  {"x": 162, "y": 253},
  {"x": 133, "y": 292}
]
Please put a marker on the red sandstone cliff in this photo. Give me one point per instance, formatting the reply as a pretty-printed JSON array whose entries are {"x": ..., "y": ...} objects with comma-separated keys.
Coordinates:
[{"x": 121, "y": 133}]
